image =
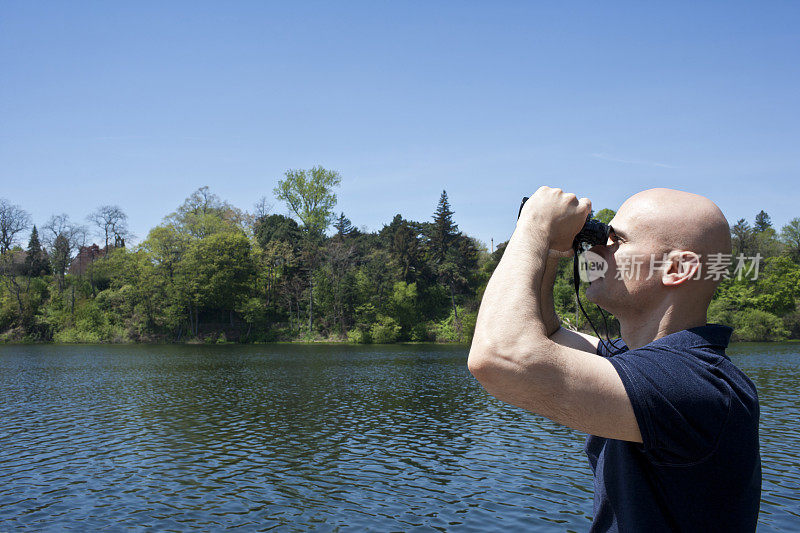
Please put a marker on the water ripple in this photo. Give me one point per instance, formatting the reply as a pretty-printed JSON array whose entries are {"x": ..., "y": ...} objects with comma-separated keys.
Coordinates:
[{"x": 334, "y": 438}]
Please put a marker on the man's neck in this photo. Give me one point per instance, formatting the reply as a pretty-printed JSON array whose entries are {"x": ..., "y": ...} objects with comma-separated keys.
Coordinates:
[{"x": 647, "y": 327}]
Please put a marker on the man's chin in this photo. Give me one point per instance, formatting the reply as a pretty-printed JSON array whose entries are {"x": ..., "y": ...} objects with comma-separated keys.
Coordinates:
[
  {"x": 597, "y": 294},
  {"x": 594, "y": 291}
]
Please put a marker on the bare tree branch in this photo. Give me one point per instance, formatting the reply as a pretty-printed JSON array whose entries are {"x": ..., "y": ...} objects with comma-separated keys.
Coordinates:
[
  {"x": 263, "y": 208},
  {"x": 13, "y": 220},
  {"x": 75, "y": 235},
  {"x": 111, "y": 221}
]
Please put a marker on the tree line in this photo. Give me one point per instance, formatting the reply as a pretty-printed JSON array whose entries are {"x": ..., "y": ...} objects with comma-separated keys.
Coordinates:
[{"x": 211, "y": 272}]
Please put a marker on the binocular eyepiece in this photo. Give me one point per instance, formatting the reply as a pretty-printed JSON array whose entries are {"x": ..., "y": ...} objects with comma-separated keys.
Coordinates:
[{"x": 593, "y": 232}]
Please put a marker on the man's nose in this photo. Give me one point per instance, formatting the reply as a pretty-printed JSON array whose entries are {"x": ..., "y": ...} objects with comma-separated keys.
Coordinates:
[
  {"x": 600, "y": 249},
  {"x": 604, "y": 251}
]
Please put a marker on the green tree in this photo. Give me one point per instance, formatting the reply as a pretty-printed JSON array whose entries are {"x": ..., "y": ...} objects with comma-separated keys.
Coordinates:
[
  {"x": 339, "y": 268},
  {"x": 605, "y": 215},
  {"x": 309, "y": 195},
  {"x": 453, "y": 254},
  {"x": 764, "y": 238},
  {"x": 278, "y": 261},
  {"x": 216, "y": 274},
  {"x": 344, "y": 228},
  {"x": 277, "y": 228},
  {"x": 790, "y": 235},
  {"x": 767, "y": 244},
  {"x": 167, "y": 246},
  {"x": 403, "y": 306},
  {"x": 743, "y": 238},
  {"x": 8, "y": 275},
  {"x": 777, "y": 286},
  {"x": 36, "y": 261},
  {"x": 763, "y": 222},
  {"x": 204, "y": 213},
  {"x": 443, "y": 232},
  {"x": 374, "y": 280},
  {"x": 402, "y": 238}
]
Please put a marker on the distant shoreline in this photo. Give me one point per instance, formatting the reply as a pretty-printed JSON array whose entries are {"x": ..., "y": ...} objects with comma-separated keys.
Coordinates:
[{"x": 308, "y": 343}]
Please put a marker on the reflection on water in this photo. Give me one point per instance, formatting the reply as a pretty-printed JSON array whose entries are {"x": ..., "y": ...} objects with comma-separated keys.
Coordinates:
[
  {"x": 310, "y": 437},
  {"x": 775, "y": 369}
]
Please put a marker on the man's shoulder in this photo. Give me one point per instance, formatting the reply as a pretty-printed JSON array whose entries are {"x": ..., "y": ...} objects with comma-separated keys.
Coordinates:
[
  {"x": 698, "y": 355},
  {"x": 682, "y": 389}
]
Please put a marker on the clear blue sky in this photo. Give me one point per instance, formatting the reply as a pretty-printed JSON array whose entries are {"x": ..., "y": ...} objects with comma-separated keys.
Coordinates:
[{"x": 140, "y": 103}]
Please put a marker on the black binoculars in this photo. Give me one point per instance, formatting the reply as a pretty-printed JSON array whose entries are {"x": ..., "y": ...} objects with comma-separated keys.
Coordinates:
[{"x": 593, "y": 232}]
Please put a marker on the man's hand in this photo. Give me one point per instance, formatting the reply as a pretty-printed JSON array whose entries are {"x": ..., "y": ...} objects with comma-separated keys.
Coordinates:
[{"x": 558, "y": 214}]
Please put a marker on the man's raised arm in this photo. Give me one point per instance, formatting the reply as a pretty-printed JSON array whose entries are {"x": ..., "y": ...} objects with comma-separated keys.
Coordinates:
[
  {"x": 513, "y": 354},
  {"x": 552, "y": 323}
]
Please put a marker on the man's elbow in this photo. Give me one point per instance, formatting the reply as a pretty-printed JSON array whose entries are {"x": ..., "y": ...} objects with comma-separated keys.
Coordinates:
[
  {"x": 513, "y": 376},
  {"x": 488, "y": 372},
  {"x": 482, "y": 359},
  {"x": 479, "y": 363},
  {"x": 489, "y": 364}
]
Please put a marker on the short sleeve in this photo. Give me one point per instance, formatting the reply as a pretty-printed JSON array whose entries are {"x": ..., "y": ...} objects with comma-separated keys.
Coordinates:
[
  {"x": 610, "y": 347},
  {"x": 681, "y": 404}
]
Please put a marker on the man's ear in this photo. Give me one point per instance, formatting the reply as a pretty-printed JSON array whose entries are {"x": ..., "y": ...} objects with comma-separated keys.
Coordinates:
[{"x": 681, "y": 266}]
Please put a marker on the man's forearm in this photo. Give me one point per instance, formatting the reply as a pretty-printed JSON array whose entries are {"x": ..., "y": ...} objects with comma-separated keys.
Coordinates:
[
  {"x": 510, "y": 316},
  {"x": 547, "y": 306}
]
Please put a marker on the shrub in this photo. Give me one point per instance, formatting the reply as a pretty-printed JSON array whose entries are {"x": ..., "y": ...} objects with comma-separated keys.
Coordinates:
[
  {"x": 792, "y": 324},
  {"x": 76, "y": 335},
  {"x": 721, "y": 312},
  {"x": 468, "y": 325},
  {"x": 421, "y": 332},
  {"x": 358, "y": 336},
  {"x": 385, "y": 331},
  {"x": 757, "y": 325},
  {"x": 452, "y": 330}
]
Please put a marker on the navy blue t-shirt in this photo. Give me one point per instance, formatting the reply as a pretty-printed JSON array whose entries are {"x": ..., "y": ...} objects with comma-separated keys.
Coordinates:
[{"x": 698, "y": 468}]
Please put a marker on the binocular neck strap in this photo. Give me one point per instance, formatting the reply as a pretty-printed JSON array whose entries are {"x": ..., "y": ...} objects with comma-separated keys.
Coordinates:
[{"x": 577, "y": 282}]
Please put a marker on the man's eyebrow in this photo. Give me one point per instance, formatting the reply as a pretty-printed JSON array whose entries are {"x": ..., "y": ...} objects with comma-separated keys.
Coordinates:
[{"x": 619, "y": 233}]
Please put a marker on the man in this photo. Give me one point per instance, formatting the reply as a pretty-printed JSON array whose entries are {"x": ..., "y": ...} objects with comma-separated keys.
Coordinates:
[{"x": 672, "y": 423}]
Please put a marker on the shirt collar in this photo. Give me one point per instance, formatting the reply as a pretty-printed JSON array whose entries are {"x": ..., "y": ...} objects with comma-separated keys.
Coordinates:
[{"x": 710, "y": 335}]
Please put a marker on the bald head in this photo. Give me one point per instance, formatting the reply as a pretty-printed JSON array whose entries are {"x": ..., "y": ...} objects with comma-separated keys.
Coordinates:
[
  {"x": 659, "y": 223},
  {"x": 665, "y": 230},
  {"x": 678, "y": 220}
]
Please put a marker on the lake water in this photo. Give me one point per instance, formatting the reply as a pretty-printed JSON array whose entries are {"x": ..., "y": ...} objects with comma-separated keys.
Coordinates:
[{"x": 287, "y": 437}]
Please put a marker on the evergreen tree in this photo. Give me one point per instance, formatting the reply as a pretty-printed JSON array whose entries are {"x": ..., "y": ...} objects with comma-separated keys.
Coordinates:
[
  {"x": 765, "y": 238},
  {"x": 443, "y": 232},
  {"x": 401, "y": 238},
  {"x": 61, "y": 257},
  {"x": 763, "y": 222},
  {"x": 344, "y": 228},
  {"x": 36, "y": 263},
  {"x": 742, "y": 238},
  {"x": 452, "y": 253}
]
